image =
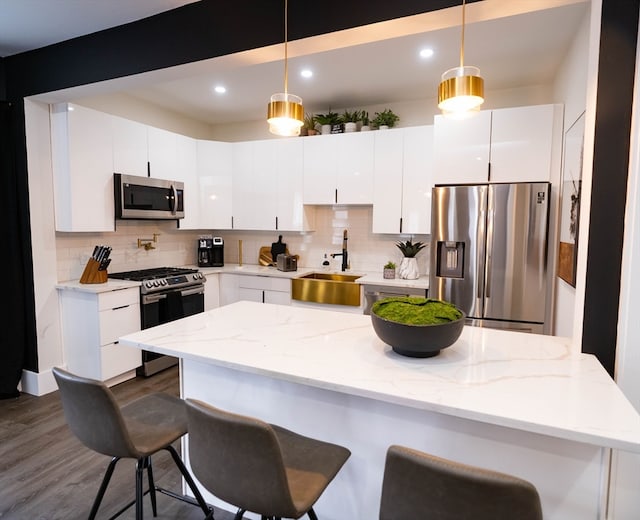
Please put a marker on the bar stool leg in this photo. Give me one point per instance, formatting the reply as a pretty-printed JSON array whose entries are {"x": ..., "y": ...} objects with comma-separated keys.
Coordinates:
[
  {"x": 103, "y": 487},
  {"x": 139, "y": 490},
  {"x": 152, "y": 486}
]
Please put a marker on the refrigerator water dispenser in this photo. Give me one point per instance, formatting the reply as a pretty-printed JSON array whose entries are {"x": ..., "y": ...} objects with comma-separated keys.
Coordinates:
[{"x": 450, "y": 259}]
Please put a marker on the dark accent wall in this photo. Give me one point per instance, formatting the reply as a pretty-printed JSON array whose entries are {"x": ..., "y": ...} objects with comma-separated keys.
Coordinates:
[
  {"x": 618, "y": 42},
  {"x": 204, "y": 30}
]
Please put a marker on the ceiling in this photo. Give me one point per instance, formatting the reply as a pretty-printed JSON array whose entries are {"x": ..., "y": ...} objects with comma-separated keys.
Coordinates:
[{"x": 514, "y": 44}]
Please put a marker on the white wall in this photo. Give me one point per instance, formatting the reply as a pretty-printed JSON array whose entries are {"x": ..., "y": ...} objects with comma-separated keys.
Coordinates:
[
  {"x": 570, "y": 89},
  {"x": 625, "y": 501}
]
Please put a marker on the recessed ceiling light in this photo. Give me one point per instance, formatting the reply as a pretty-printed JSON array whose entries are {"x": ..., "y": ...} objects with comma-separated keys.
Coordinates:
[
  {"x": 220, "y": 89},
  {"x": 306, "y": 73},
  {"x": 426, "y": 53}
]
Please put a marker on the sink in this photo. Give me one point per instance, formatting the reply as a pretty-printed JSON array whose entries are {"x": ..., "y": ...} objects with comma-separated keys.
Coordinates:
[
  {"x": 335, "y": 277},
  {"x": 327, "y": 288}
]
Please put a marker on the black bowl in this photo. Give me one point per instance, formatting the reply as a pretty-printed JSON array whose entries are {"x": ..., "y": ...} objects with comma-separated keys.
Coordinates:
[{"x": 419, "y": 341}]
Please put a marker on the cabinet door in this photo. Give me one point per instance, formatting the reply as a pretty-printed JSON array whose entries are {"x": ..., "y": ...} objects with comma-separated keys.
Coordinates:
[
  {"x": 354, "y": 168},
  {"x": 187, "y": 172},
  {"x": 289, "y": 165},
  {"x": 129, "y": 147},
  {"x": 387, "y": 181},
  {"x": 417, "y": 180},
  {"x": 215, "y": 184},
  {"x": 254, "y": 185},
  {"x": 277, "y": 297},
  {"x": 162, "y": 152},
  {"x": 82, "y": 162},
  {"x": 521, "y": 143},
  {"x": 319, "y": 169},
  {"x": 461, "y": 149},
  {"x": 212, "y": 292}
]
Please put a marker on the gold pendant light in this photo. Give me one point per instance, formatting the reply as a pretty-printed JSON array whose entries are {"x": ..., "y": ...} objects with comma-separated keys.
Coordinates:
[
  {"x": 285, "y": 113},
  {"x": 461, "y": 91}
]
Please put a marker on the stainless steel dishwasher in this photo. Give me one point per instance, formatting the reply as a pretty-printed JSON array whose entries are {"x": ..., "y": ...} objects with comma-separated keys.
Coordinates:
[{"x": 373, "y": 293}]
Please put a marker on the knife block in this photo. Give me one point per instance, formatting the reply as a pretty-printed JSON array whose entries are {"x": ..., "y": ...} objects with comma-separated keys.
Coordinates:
[{"x": 91, "y": 274}]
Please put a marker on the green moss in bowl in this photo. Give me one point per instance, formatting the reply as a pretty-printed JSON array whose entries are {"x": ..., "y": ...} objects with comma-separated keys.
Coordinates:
[
  {"x": 417, "y": 327},
  {"x": 415, "y": 310}
]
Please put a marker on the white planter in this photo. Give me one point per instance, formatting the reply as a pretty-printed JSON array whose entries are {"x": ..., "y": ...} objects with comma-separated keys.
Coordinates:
[
  {"x": 408, "y": 269},
  {"x": 350, "y": 126},
  {"x": 365, "y": 128},
  {"x": 326, "y": 129},
  {"x": 383, "y": 127}
]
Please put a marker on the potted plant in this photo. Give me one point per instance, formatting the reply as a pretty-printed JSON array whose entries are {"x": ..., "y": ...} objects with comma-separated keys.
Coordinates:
[
  {"x": 309, "y": 124},
  {"x": 364, "y": 121},
  {"x": 328, "y": 121},
  {"x": 385, "y": 119},
  {"x": 389, "y": 271},
  {"x": 350, "y": 120},
  {"x": 409, "y": 266}
]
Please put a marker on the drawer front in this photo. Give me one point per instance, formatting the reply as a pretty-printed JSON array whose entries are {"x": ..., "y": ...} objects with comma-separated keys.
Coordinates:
[
  {"x": 113, "y": 299},
  {"x": 118, "y": 322},
  {"x": 116, "y": 359},
  {"x": 266, "y": 283}
]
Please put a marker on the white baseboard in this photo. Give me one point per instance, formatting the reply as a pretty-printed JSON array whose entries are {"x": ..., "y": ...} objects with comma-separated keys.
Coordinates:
[{"x": 37, "y": 383}]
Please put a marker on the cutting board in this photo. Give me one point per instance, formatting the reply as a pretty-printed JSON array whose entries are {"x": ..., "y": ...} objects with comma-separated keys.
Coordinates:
[
  {"x": 278, "y": 248},
  {"x": 264, "y": 257}
]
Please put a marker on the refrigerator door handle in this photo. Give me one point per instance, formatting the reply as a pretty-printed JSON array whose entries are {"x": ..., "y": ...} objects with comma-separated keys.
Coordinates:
[
  {"x": 491, "y": 214},
  {"x": 481, "y": 252}
]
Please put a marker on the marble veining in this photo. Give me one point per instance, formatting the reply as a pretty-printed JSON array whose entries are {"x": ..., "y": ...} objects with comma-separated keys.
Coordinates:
[{"x": 524, "y": 381}]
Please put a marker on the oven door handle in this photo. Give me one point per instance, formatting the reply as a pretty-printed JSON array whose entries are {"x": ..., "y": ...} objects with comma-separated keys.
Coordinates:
[{"x": 156, "y": 297}]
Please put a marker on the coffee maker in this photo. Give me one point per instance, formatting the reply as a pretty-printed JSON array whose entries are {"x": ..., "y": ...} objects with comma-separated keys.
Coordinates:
[{"x": 210, "y": 252}]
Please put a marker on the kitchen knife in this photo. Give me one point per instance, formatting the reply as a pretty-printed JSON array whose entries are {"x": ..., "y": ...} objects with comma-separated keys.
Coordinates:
[{"x": 104, "y": 264}]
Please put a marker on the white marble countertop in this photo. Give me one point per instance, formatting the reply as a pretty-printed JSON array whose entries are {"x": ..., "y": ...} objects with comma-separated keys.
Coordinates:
[
  {"x": 366, "y": 278},
  {"x": 523, "y": 381}
]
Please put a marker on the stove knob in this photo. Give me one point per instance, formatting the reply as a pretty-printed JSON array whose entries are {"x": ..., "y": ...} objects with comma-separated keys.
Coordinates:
[
  {"x": 163, "y": 282},
  {"x": 148, "y": 284}
]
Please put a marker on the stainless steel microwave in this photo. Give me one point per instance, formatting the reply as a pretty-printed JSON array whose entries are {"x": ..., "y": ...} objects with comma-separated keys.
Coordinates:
[{"x": 147, "y": 198}]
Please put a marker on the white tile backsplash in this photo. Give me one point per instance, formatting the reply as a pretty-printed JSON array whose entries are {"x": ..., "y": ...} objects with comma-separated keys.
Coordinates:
[{"x": 367, "y": 251}]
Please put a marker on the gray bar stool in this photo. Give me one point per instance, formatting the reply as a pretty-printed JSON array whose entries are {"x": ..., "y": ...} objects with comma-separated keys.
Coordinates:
[
  {"x": 259, "y": 467},
  {"x": 419, "y": 485},
  {"x": 137, "y": 430}
]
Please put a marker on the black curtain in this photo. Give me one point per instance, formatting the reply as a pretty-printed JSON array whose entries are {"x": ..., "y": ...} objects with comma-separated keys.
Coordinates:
[{"x": 17, "y": 320}]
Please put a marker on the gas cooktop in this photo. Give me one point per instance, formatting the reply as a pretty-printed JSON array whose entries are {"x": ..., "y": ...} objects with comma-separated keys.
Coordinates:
[
  {"x": 151, "y": 274},
  {"x": 159, "y": 279}
]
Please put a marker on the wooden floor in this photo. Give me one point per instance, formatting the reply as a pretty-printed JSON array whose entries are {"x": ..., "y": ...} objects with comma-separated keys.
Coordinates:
[{"x": 47, "y": 474}]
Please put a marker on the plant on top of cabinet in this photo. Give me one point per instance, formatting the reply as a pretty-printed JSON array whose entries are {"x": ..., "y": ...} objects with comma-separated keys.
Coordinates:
[
  {"x": 328, "y": 121},
  {"x": 350, "y": 120},
  {"x": 364, "y": 120},
  {"x": 309, "y": 124},
  {"x": 386, "y": 118}
]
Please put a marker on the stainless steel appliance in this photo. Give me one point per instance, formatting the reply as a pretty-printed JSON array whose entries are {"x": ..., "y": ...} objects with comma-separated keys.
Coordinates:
[
  {"x": 373, "y": 293},
  {"x": 489, "y": 252},
  {"x": 147, "y": 198},
  {"x": 285, "y": 262},
  {"x": 166, "y": 294}
]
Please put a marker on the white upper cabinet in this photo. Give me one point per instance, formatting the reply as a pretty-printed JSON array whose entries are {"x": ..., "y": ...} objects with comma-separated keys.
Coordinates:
[
  {"x": 461, "y": 149},
  {"x": 129, "y": 147},
  {"x": 254, "y": 185},
  {"x": 82, "y": 161},
  {"x": 187, "y": 172},
  {"x": 522, "y": 143},
  {"x": 267, "y": 186},
  {"x": 215, "y": 184},
  {"x": 417, "y": 180},
  {"x": 162, "y": 152},
  {"x": 505, "y": 145},
  {"x": 403, "y": 181},
  {"x": 338, "y": 168},
  {"x": 291, "y": 214}
]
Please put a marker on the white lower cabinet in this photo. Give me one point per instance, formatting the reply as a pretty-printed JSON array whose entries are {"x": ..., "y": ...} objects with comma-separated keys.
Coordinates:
[
  {"x": 264, "y": 289},
  {"x": 212, "y": 291},
  {"x": 91, "y": 326}
]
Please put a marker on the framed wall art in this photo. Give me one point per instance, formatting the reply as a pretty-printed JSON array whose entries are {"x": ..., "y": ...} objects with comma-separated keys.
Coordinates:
[{"x": 571, "y": 189}]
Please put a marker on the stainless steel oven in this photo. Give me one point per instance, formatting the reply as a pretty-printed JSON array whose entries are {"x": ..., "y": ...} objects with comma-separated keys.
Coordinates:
[{"x": 166, "y": 294}]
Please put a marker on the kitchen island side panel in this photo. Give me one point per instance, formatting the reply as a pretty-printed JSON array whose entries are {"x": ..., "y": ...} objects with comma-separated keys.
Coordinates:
[{"x": 568, "y": 475}]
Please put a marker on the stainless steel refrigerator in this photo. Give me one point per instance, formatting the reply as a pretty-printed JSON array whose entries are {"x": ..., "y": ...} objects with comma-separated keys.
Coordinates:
[{"x": 489, "y": 252}]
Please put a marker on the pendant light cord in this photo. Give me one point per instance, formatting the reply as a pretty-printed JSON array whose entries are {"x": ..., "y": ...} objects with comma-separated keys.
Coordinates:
[
  {"x": 461, "y": 40},
  {"x": 286, "y": 56}
]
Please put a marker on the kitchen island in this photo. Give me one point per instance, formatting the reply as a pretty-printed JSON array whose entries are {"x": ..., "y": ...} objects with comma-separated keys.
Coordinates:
[{"x": 515, "y": 402}]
